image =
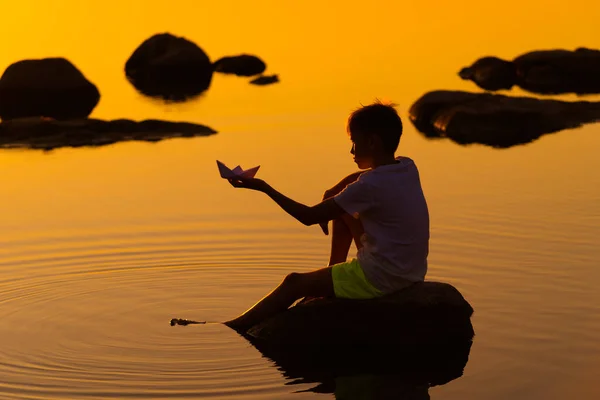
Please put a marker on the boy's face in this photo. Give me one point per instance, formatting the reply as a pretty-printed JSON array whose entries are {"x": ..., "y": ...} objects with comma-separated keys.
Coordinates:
[{"x": 362, "y": 149}]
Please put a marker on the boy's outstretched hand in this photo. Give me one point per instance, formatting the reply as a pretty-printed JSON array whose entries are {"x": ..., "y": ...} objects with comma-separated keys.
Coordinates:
[{"x": 248, "y": 183}]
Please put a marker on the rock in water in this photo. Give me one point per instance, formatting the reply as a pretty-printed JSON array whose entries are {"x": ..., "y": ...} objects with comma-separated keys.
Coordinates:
[
  {"x": 543, "y": 72},
  {"x": 496, "y": 120},
  {"x": 169, "y": 67},
  {"x": 424, "y": 314},
  {"x": 49, "y": 87},
  {"x": 242, "y": 65}
]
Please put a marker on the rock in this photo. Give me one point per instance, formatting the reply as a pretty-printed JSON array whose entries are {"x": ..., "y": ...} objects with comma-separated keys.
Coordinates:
[
  {"x": 169, "y": 67},
  {"x": 265, "y": 80},
  {"x": 50, "y": 87},
  {"x": 543, "y": 72},
  {"x": 242, "y": 65},
  {"x": 420, "y": 336},
  {"x": 496, "y": 120},
  {"x": 48, "y": 134},
  {"x": 423, "y": 314},
  {"x": 491, "y": 73}
]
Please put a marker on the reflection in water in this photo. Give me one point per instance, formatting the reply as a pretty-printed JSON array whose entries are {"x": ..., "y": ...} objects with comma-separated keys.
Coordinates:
[
  {"x": 544, "y": 72},
  {"x": 265, "y": 80},
  {"x": 360, "y": 373},
  {"x": 496, "y": 120},
  {"x": 49, "y": 134}
]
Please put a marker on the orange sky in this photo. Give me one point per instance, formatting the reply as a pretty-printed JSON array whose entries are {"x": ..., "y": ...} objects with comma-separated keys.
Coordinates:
[{"x": 331, "y": 57}]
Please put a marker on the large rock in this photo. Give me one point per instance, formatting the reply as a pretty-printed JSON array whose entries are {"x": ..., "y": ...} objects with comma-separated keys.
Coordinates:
[
  {"x": 496, "y": 120},
  {"x": 420, "y": 336},
  {"x": 423, "y": 314},
  {"x": 242, "y": 65},
  {"x": 47, "y": 134},
  {"x": 50, "y": 87},
  {"x": 169, "y": 67},
  {"x": 544, "y": 72}
]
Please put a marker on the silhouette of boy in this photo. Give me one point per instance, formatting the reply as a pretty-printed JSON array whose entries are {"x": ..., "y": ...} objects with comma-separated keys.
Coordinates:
[{"x": 382, "y": 208}]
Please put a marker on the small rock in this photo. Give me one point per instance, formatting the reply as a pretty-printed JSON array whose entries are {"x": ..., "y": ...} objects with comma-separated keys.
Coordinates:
[
  {"x": 265, "y": 80},
  {"x": 242, "y": 65}
]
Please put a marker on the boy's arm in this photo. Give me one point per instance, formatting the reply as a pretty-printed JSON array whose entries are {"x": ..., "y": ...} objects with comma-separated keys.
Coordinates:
[
  {"x": 341, "y": 185},
  {"x": 322, "y": 212},
  {"x": 330, "y": 193}
]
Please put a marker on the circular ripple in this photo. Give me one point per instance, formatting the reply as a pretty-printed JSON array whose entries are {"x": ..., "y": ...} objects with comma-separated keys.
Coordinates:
[{"x": 88, "y": 317}]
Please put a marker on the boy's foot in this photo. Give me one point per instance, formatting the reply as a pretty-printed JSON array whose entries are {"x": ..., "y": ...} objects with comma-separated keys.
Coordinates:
[{"x": 184, "y": 322}]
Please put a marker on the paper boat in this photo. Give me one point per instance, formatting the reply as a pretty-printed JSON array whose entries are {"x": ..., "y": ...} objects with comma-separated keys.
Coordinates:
[{"x": 236, "y": 172}]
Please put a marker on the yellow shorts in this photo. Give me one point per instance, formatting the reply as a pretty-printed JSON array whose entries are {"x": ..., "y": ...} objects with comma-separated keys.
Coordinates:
[{"x": 349, "y": 282}]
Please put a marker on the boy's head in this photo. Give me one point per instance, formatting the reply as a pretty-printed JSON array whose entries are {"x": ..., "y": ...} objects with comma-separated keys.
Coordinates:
[{"x": 375, "y": 131}]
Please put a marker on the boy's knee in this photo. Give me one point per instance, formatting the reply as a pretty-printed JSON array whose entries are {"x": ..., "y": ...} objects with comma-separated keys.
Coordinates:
[
  {"x": 292, "y": 279},
  {"x": 349, "y": 219}
]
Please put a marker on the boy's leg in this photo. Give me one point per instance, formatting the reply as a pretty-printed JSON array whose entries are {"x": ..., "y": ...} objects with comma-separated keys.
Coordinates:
[
  {"x": 343, "y": 231},
  {"x": 295, "y": 286}
]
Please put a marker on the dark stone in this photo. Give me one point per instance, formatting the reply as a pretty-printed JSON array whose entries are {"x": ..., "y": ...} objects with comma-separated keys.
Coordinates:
[
  {"x": 242, "y": 65},
  {"x": 496, "y": 120},
  {"x": 265, "y": 80},
  {"x": 413, "y": 339},
  {"x": 435, "y": 312},
  {"x": 48, "y": 134},
  {"x": 50, "y": 87},
  {"x": 543, "y": 72},
  {"x": 491, "y": 73},
  {"x": 169, "y": 67}
]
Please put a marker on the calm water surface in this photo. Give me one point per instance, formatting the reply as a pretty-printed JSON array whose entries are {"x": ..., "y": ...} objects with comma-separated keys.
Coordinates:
[{"x": 100, "y": 247}]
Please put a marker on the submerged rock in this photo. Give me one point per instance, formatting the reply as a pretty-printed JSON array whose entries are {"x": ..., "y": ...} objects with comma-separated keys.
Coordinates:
[
  {"x": 48, "y": 134},
  {"x": 265, "y": 80},
  {"x": 544, "y": 72},
  {"x": 169, "y": 67},
  {"x": 49, "y": 87},
  {"x": 496, "y": 120},
  {"x": 423, "y": 314},
  {"x": 242, "y": 65}
]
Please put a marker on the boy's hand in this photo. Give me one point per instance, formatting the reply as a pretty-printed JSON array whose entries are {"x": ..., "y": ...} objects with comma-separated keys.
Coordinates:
[{"x": 248, "y": 183}]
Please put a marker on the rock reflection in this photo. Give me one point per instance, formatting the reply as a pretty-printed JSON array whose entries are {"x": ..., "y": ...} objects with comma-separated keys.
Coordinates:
[
  {"x": 356, "y": 373},
  {"x": 496, "y": 120},
  {"x": 49, "y": 134}
]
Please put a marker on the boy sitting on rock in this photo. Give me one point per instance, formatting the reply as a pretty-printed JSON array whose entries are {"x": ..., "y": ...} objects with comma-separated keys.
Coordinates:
[{"x": 382, "y": 208}]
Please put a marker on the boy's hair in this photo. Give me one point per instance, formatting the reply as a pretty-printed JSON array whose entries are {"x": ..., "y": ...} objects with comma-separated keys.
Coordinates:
[{"x": 379, "y": 119}]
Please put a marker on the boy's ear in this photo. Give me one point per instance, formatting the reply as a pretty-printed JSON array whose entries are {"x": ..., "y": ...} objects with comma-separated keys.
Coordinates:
[{"x": 374, "y": 141}]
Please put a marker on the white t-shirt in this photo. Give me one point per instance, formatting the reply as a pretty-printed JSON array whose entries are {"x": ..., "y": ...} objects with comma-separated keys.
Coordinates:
[{"x": 390, "y": 204}]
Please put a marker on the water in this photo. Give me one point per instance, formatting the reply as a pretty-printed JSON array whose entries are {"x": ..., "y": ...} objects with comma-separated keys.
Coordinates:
[{"x": 100, "y": 248}]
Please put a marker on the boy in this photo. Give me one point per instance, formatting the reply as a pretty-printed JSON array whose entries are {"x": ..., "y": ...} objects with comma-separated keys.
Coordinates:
[{"x": 382, "y": 208}]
